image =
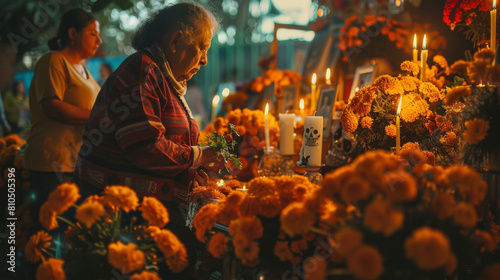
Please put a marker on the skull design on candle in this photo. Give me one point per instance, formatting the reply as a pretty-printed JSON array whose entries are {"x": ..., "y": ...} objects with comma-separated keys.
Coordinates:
[{"x": 311, "y": 137}]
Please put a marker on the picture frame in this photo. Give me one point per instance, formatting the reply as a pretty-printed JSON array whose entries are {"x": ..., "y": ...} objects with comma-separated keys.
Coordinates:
[
  {"x": 325, "y": 107},
  {"x": 362, "y": 77},
  {"x": 322, "y": 52},
  {"x": 289, "y": 100}
]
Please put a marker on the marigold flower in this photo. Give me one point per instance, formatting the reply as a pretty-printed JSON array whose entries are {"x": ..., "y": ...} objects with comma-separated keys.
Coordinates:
[
  {"x": 476, "y": 130},
  {"x": 282, "y": 251},
  {"x": 366, "y": 122},
  {"x": 250, "y": 206},
  {"x": 467, "y": 181},
  {"x": 261, "y": 186},
  {"x": 179, "y": 261},
  {"x": 390, "y": 130},
  {"x": 396, "y": 89},
  {"x": 384, "y": 82},
  {"x": 47, "y": 217},
  {"x": 401, "y": 186},
  {"x": 51, "y": 269},
  {"x": 145, "y": 275},
  {"x": 484, "y": 53},
  {"x": 154, "y": 211},
  {"x": 348, "y": 240},
  {"x": 428, "y": 248},
  {"x": 240, "y": 241},
  {"x": 349, "y": 120},
  {"x": 431, "y": 126},
  {"x": 63, "y": 197},
  {"x": 413, "y": 107},
  {"x": 449, "y": 139},
  {"x": 315, "y": 268},
  {"x": 218, "y": 245},
  {"x": 333, "y": 181},
  {"x": 443, "y": 205},
  {"x": 456, "y": 93},
  {"x": 38, "y": 242},
  {"x": 89, "y": 212},
  {"x": 121, "y": 197},
  {"x": 451, "y": 265},
  {"x": 355, "y": 189},
  {"x": 366, "y": 263},
  {"x": 205, "y": 219},
  {"x": 459, "y": 66},
  {"x": 248, "y": 254},
  {"x": 485, "y": 239},
  {"x": 441, "y": 61},
  {"x": 125, "y": 257},
  {"x": 429, "y": 91},
  {"x": 465, "y": 215},
  {"x": 250, "y": 227},
  {"x": 413, "y": 155},
  {"x": 410, "y": 67},
  {"x": 296, "y": 218},
  {"x": 490, "y": 272},
  {"x": 298, "y": 246},
  {"x": 381, "y": 217},
  {"x": 408, "y": 84},
  {"x": 152, "y": 230}
]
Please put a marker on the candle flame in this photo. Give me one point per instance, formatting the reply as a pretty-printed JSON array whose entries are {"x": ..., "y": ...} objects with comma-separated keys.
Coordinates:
[
  {"x": 424, "y": 44},
  {"x": 266, "y": 111},
  {"x": 399, "y": 105},
  {"x": 225, "y": 92},
  {"x": 301, "y": 104},
  {"x": 244, "y": 187},
  {"x": 415, "y": 41},
  {"x": 220, "y": 183},
  {"x": 356, "y": 89},
  {"x": 313, "y": 80},
  {"x": 328, "y": 73},
  {"x": 215, "y": 101},
  {"x": 398, "y": 3}
]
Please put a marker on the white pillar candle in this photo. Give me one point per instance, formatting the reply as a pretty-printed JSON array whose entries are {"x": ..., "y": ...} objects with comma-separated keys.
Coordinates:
[
  {"x": 423, "y": 61},
  {"x": 415, "y": 50},
  {"x": 267, "y": 127},
  {"x": 313, "y": 140},
  {"x": 287, "y": 126}
]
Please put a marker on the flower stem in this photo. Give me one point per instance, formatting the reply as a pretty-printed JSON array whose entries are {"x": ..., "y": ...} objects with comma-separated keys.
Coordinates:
[{"x": 66, "y": 221}]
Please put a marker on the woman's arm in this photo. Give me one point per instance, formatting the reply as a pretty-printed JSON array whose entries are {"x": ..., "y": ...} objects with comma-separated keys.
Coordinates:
[{"x": 64, "y": 112}]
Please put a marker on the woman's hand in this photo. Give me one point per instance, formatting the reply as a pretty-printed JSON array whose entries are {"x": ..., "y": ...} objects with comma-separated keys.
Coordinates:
[{"x": 64, "y": 112}]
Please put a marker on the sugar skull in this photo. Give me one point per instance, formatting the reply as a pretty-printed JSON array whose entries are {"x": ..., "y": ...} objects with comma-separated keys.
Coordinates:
[{"x": 343, "y": 144}]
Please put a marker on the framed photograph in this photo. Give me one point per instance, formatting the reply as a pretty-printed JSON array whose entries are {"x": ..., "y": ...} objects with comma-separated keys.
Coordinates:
[
  {"x": 363, "y": 77},
  {"x": 289, "y": 98},
  {"x": 324, "y": 107}
]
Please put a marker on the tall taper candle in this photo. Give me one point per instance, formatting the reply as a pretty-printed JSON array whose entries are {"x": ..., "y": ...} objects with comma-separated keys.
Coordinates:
[
  {"x": 328, "y": 76},
  {"x": 398, "y": 132},
  {"x": 312, "y": 142},
  {"x": 215, "y": 101},
  {"x": 493, "y": 35},
  {"x": 423, "y": 61},
  {"x": 313, "y": 92},
  {"x": 302, "y": 107},
  {"x": 266, "y": 112},
  {"x": 287, "y": 125},
  {"x": 415, "y": 50}
]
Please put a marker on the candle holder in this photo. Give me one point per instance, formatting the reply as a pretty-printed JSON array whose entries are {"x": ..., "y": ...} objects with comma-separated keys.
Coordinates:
[
  {"x": 270, "y": 163},
  {"x": 313, "y": 174},
  {"x": 287, "y": 165}
]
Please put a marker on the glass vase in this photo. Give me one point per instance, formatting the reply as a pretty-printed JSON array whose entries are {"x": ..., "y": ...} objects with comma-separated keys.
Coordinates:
[{"x": 270, "y": 163}]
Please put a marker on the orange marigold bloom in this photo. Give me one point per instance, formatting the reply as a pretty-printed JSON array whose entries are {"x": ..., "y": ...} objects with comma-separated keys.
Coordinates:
[
  {"x": 380, "y": 216},
  {"x": 456, "y": 93},
  {"x": 349, "y": 120},
  {"x": 179, "y": 261},
  {"x": 459, "y": 66},
  {"x": 89, "y": 212},
  {"x": 167, "y": 242},
  {"x": 298, "y": 246},
  {"x": 121, "y": 197},
  {"x": 465, "y": 215},
  {"x": 413, "y": 107},
  {"x": 261, "y": 186},
  {"x": 125, "y": 257},
  {"x": 145, "y": 275},
  {"x": 250, "y": 227},
  {"x": 154, "y": 211},
  {"x": 476, "y": 130},
  {"x": 315, "y": 268},
  {"x": 282, "y": 251},
  {"x": 390, "y": 130},
  {"x": 334, "y": 181},
  {"x": 205, "y": 219},
  {"x": 249, "y": 254},
  {"x": 413, "y": 156},
  {"x": 218, "y": 245},
  {"x": 408, "y": 84},
  {"x": 366, "y": 263},
  {"x": 240, "y": 241},
  {"x": 296, "y": 219},
  {"x": 63, "y": 197},
  {"x": 486, "y": 240},
  {"x": 466, "y": 180},
  {"x": 396, "y": 89},
  {"x": 410, "y": 67},
  {"x": 250, "y": 206},
  {"x": 152, "y": 230},
  {"x": 34, "y": 247},
  {"x": 348, "y": 240},
  {"x": 429, "y": 91},
  {"x": 449, "y": 139},
  {"x": 366, "y": 122},
  {"x": 355, "y": 189},
  {"x": 428, "y": 248},
  {"x": 51, "y": 269},
  {"x": 431, "y": 126},
  {"x": 401, "y": 186},
  {"x": 47, "y": 217},
  {"x": 451, "y": 265},
  {"x": 443, "y": 205},
  {"x": 384, "y": 82}
]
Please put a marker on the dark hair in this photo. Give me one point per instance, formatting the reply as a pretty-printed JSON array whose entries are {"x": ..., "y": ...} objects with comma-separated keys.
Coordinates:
[
  {"x": 74, "y": 18},
  {"x": 14, "y": 87},
  {"x": 182, "y": 16}
]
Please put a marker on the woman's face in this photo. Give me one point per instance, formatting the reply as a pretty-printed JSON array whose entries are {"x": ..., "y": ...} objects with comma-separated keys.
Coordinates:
[
  {"x": 190, "y": 54},
  {"x": 87, "y": 41}
]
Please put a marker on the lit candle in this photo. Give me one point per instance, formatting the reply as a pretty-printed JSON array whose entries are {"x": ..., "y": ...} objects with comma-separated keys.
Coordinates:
[
  {"x": 225, "y": 92},
  {"x": 423, "y": 60},
  {"x": 220, "y": 183},
  {"x": 215, "y": 101},
  {"x": 415, "y": 51},
  {"x": 244, "y": 189},
  {"x": 312, "y": 142},
  {"x": 398, "y": 134},
  {"x": 328, "y": 76},
  {"x": 266, "y": 112},
  {"x": 313, "y": 92},
  {"x": 302, "y": 106},
  {"x": 287, "y": 125},
  {"x": 493, "y": 35}
]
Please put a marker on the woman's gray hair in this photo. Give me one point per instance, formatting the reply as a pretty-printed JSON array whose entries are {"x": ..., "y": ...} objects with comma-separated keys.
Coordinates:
[{"x": 188, "y": 17}]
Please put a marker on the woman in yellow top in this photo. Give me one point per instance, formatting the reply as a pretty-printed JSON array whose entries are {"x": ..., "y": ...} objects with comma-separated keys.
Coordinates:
[{"x": 62, "y": 94}]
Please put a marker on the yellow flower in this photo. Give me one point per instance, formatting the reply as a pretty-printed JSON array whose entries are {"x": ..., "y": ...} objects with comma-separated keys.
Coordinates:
[
  {"x": 154, "y": 212},
  {"x": 465, "y": 215},
  {"x": 396, "y": 89},
  {"x": 349, "y": 120},
  {"x": 47, "y": 217},
  {"x": 89, "y": 212},
  {"x": 413, "y": 107},
  {"x": 348, "y": 240},
  {"x": 458, "y": 66},
  {"x": 456, "y": 93},
  {"x": 443, "y": 205},
  {"x": 467, "y": 181},
  {"x": 52, "y": 269},
  {"x": 476, "y": 130},
  {"x": 401, "y": 186},
  {"x": 168, "y": 243},
  {"x": 38, "y": 242},
  {"x": 366, "y": 122},
  {"x": 429, "y": 91},
  {"x": 282, "y": 251},
  {"x": 296, "y": 219},
  {"x": 410, "y": 67},
  {"x": 355, "y": 189},
  {"x": 218, "y": 245},
  {"x": 408, "y": 84},
  {"x": 121, "y": 197},
  {"x": 384, "y": 82},
  {"x": 126, "y": 258},
  {"x": 145, "y": 275},
  {"x": 390, "y": 130},
  {"x": 428, "y": 248},
  {"x": 441, "y": 61},
  {"x": 381, "y": 217},
  {"x": 63, "y": 197},
  {"x": 366, "y": 263}
]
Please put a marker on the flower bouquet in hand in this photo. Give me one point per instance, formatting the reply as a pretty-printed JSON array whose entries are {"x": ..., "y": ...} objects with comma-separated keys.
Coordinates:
[
  {"x": 224, "y": 145},
  {"x": 100, "y": 244}
]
